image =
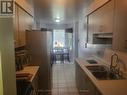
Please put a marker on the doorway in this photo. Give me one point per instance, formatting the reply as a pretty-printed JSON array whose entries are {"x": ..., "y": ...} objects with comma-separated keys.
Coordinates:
[{"x": 62, "y": 46}]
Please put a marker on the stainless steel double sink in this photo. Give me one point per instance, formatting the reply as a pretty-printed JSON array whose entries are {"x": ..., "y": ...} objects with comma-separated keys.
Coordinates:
[{"x": 102, "y": 72}]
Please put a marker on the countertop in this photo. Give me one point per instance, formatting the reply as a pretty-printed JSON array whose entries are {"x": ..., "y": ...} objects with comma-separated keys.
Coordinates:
[
  {"x": 30, "y": 70},
  {"x": 106, "y": 87}
]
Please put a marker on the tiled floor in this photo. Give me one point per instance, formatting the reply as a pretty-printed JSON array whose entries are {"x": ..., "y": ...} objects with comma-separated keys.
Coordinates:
[{"x": 64, "y": 79}]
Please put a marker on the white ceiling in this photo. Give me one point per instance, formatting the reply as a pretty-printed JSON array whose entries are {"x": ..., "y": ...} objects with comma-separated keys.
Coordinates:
[{"x": 47, "y": 11}]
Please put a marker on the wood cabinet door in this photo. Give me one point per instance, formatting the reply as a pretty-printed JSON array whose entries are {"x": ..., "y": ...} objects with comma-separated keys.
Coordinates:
[
  {"x": 22, "y": 22},
  {"x": 81, "y": 80},
  {"x": 120, "y": 34},
  {"x": 16, "y": 31},
  {"x": 103, "y": 18},
  {"x": 84, "y": 84},
  {"x": 22, "y": 27},
  {"x": 29, "y": 21}
]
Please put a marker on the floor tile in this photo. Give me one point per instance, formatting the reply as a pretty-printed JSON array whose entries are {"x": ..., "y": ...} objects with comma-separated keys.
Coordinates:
[{"x": 64, "y": 79}]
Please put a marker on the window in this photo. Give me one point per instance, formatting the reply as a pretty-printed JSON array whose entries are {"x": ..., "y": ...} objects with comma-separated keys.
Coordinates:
[{"x": 58, "y": 38}]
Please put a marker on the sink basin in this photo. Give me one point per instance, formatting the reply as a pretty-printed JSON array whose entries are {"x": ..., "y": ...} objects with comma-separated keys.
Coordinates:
[
  {"x": 97, "y": 68},
  {"x": 102, "y": 73},
  {"x": 91, "y": 61},
  {"x": 99, "y": 72}
]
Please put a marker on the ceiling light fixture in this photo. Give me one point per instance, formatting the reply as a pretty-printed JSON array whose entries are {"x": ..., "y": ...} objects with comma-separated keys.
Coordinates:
[
  {"x": 58, "y": 17},
  {"x": 57, "y": 20}
]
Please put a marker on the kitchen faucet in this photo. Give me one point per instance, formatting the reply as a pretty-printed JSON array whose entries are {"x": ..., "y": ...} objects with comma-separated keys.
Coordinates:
[
  {"x": 115, "y": 69},
  {"x": 112, "y": 61}
]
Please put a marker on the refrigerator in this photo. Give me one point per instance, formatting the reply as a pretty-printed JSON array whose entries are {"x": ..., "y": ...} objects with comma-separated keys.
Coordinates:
[{"x": 39, "y": 44}]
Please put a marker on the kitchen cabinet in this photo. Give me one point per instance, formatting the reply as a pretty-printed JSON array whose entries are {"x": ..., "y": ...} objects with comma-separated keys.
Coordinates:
[
  {"x": 103, "y": 18},
  {"x": 84, "y": 84},
  {"x": 80, "y": 80},
  {"x": 22, "y": 26},
  {"x": 108, "y": 25},
  {"x": 22, "y": 22},
  {"x": 100, "y": 24},
  {"x": 120, "y": 39},
  {"x": 16, "y": 32}
]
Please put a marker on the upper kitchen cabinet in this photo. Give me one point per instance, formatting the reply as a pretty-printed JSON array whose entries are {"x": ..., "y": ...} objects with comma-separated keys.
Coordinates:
[
  {"x": 120, "y": 39},
  {"x": 16, "y": 31},
  {"x": 27, "y": 5},
  {"x": 23, "y": 21},
  {"x": 100, "y": 24},
  {"x": 22, "y": 26},
  {"x": 103, "y": 18}
]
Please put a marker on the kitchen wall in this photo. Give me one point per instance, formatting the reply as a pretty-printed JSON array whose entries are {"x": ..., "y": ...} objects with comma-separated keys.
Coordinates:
[
  {"x": 1, "y": 84},
  {"x": 7, "y": 57},
  {"x": 75, "y": 39}
]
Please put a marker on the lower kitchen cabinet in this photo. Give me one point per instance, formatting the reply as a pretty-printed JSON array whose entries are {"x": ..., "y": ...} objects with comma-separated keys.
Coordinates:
[
  {"x": 84, "y": 84},
  {"x": 24, "y": 87}
]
